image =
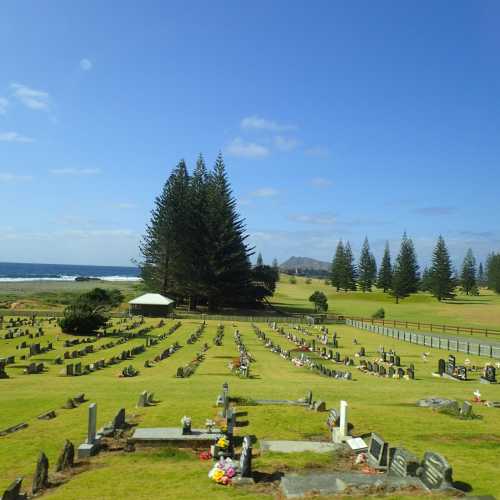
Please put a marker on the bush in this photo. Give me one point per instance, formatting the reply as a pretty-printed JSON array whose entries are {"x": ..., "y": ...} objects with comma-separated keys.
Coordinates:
[
  {"x": 293, "y": 280},
  {"x": 308, "y": 281},
  {"x": 82, "y": 319},
  {"x": 379, "y": 314}
]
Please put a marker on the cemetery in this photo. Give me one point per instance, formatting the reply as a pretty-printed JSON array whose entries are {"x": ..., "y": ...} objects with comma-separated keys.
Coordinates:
[{"x": 234, "y": 431}]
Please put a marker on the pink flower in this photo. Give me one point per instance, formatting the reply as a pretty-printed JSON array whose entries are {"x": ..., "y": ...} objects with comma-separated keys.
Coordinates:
[{"x": 230, "y": 472}]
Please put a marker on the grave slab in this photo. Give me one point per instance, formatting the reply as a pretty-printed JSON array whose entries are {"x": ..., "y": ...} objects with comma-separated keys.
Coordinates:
[
  {"x": 302, "y": 485},
  {"x": 172, "y": 436},
  {"x": 298, "y": 446}
]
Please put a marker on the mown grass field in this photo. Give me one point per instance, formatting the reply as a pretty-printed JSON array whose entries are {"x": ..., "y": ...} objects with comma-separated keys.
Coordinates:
[
  {"x": 381, "y": 405},
  {"x": 482, "y": 311}
]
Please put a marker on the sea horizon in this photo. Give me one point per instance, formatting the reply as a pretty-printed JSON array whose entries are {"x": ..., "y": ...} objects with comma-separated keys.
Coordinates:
[{"x": 24, "y": 271}]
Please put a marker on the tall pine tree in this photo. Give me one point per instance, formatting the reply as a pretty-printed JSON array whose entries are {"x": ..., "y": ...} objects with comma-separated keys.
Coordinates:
[
  {"x": 366, "y": 268},
  {"x": 338, "y": 265},
  {"x": 276, "y": 268},
  {"x": 468, "y": 279},
  {"x": 260, "y": 260},
  {"x": 349, "y": 270},
  {"x": 405, "y": 278},
  {"x": 384, "y": 279},
  {"x": 228, "y": 255},
  {"x": 441, "y": 273}
]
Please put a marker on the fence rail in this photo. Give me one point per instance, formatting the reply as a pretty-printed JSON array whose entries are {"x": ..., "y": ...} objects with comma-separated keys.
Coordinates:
[
  {"x": 431, "y": 327},
  {"x": 431, "y": 340}
]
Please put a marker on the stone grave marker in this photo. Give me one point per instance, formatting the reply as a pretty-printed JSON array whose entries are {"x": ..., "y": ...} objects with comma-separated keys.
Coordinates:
[
  {"x": 378, "y": 452},
  {"x": 66, "y": 458},
  {"x": 41, "y": 479},
  {"x": 436, "y": 472},
  {"x": 13, "y": 491},
  {"x": 246, "y": 458},
  {"x": 403, "y": 463},
  {"x": 91, "y": 445}
]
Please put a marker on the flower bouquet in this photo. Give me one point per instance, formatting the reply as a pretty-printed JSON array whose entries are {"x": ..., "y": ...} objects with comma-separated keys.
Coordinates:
[{"x": 223, "y": 471}]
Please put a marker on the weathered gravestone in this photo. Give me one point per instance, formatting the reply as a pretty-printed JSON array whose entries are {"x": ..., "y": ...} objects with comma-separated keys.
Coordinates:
[
  {"x": 488, "y": 377},
  {"x": 3, "y": 373},
  {"x": 436, "y": 472},
  {"x": 66, "y": 459},
  {"x": 119, "y": 422},
  {"x": 41, "y": 479},
  {"x": 441, "y": 367},
  {"x": 143, "y": 400},
  {"x": 403, "y": 463},
  {"x": 13, "y": 491}
]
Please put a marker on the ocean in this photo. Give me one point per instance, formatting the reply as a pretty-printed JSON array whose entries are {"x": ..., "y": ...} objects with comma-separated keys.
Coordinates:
[{"x": 11, "y": 271}]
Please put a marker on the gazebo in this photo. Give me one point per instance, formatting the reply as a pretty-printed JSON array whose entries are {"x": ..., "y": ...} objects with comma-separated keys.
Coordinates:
[{"x": 151, "y": 304}]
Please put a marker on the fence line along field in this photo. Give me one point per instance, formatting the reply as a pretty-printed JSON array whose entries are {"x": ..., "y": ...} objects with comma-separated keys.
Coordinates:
[{"x": 381, "y": 404}]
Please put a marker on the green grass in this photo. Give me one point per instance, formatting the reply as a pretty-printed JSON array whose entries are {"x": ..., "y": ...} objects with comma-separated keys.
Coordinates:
[
  {"x": 381, "y": 405},
  {"x": 482, "y": 311}
]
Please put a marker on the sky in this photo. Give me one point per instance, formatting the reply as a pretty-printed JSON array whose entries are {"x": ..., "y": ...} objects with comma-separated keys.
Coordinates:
[{"x": 337, "y": 120}]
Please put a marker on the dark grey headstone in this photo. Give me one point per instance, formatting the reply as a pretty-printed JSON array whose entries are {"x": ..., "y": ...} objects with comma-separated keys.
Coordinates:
[
  {"x": 66, "y": 459},
  {"x": 119, "y": 420},
  {"x": 41, "y": 479},
  {"x": 403, "y": 463},
  {"x": 436, "y": 472},
  {"x": 13, "y": 491}
]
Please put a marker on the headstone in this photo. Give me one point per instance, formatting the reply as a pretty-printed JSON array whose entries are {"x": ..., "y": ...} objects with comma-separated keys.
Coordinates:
[
  {"x": 436, "y": 472},
  {"x": 378, "y": 452},
  {"x": 403, "y": 463},
  {"x": 489, "y": 375},
  {"x": 91, "y": 445},
  {"x": 119, "y": 422},
  {"x": 143, "y": 400},
  {"x": 466, "y": 410},
  {"x": 246, "y": 458},
  {"x": 41, "y": 479},
  {"x": 441, "y": 366},
  {"x": 66, "y": 458},
  {"x": 13, "y": 491},
  {"x": 340, "y": 433}
]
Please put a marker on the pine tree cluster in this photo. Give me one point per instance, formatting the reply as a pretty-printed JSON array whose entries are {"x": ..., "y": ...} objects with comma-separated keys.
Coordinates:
[{"x": 194, "y": 248}]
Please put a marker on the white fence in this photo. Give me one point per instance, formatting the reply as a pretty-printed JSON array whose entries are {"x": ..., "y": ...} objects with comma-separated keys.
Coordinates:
[{"x": 425, "y": 339}]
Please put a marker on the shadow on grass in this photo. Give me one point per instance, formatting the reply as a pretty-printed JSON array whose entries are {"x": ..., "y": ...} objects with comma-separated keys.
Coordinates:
[
  {"x": 460, "y": 485},
  {"x": 267, "y": 477}
]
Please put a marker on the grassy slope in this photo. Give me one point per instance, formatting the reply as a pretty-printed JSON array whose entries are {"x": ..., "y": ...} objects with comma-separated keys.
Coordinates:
[
  {"x": 385, "y": 406},
  {"x": 482, "y": 311}
]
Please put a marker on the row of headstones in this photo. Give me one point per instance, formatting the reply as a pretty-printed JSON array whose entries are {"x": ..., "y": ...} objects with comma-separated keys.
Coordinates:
[
  {"x": 166, "y": 353},
  {"x": 34, "y": 368},
  {"x": 189, "y": 369},
  {"x": 41, "y": 482},
  {"x": 89, "y": 349},
  {"x": 382, "y": 371},
  {"x": 337, "y": 374},
  {"x": 16, "y": 333},
  {"x": 219, "y": 336},
  {"x": 73, "y": 342},
  {"x": 433, "y": 471},
  {"x": 459, "y": 372},
  {"x": 245, "y": 357},
  {"x": 197, "y": 334}
]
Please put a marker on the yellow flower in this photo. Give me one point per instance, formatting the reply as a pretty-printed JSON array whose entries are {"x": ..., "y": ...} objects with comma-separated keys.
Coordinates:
[{"x": 218, "y": 475}]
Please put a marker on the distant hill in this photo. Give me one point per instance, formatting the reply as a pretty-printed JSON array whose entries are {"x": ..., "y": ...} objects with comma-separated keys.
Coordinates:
[{"x": 305, "y": 264}]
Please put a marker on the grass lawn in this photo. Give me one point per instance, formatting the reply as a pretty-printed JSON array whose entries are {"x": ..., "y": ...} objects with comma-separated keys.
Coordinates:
[
  {"x": 482, "y": 311},
  {"x": 381, "y": 405}
]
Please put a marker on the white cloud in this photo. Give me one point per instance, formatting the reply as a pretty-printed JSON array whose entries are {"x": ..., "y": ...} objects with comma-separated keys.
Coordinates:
[
  {"x": 318, "y": 152},
  {"x": 31, "y": 98},
  {"x": 75, "y": 171},
  {"x": 8, "y": 177},
  {"x": 322, "y": 219},
  {"x": 14, "y": 137},
  {"x": 258, "y": 123},
  {"x": 240, "y": 148},
  {"x": 3, "y": 105},
  {"x": 285, "y": 143},
  {"x": 86, "y": 64},
  {"x": 321, "y": 182},
  {"x": 265, "y": 192}
]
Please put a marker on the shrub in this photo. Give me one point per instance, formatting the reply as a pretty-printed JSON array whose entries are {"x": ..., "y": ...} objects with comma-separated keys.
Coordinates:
[
  {"x": 293, "y": 280},
  {"x": 379, "y": 314},
  {"x": 308, "y": 281}
]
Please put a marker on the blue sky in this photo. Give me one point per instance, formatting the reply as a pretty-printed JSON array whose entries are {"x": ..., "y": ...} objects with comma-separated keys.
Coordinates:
[{"x": 336, "y": 120}]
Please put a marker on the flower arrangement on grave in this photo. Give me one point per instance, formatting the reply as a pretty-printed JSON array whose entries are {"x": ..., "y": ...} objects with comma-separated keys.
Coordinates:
[
  {"x": 209, "y": 424},
  {"x": 223, "y": 443},
  {"x": 223, "y": 471}
]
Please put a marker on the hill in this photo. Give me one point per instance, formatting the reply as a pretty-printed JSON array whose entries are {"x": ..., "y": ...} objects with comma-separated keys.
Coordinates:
[{"x": 303, "y": 264}]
